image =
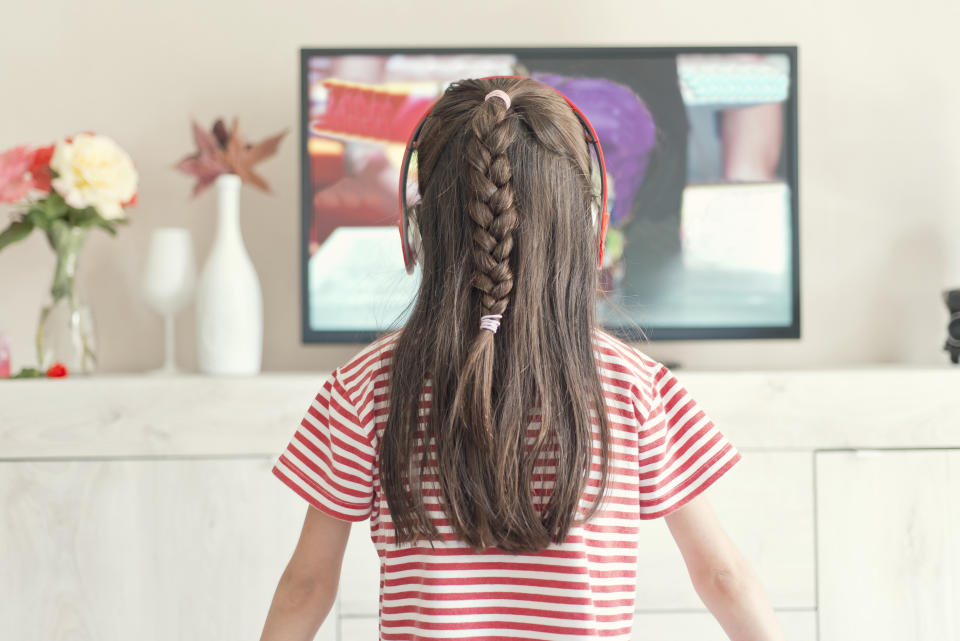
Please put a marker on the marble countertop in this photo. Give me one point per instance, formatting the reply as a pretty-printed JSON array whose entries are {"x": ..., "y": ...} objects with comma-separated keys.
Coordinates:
[{"x": 198, "y": 416}]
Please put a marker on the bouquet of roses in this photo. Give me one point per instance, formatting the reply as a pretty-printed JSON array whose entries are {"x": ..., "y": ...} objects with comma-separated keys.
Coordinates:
[
  {"x": 84, "y": 181},
  {"x": 63, "y": 190}
]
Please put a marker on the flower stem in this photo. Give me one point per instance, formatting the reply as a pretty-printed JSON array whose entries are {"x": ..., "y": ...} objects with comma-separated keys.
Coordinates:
[{"x": 66, "y": 241}]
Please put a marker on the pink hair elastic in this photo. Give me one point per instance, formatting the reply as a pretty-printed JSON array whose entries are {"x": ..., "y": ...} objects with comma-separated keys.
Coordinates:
[
  {"x": 499, "y": 94},
  {"x": 491, "y": 322}
]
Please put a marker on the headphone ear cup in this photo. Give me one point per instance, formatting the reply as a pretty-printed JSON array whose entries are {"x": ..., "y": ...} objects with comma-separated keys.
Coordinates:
[
  {"x": 604, "y": 223},
  {"x": 413, "y": 234}
]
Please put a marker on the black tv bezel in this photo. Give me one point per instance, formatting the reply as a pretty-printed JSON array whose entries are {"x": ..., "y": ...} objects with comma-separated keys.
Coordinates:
[{"x": 628, "y": 333}]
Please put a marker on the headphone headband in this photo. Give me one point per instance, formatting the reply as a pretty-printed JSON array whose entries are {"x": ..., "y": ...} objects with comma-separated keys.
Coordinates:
[{"x": 593, "y": 141}]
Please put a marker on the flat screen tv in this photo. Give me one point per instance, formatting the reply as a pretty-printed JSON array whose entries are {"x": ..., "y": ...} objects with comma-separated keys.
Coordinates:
[{"x": 700, "y": 145}]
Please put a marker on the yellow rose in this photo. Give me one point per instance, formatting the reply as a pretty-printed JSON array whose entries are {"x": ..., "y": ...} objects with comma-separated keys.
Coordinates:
[{"x": 94, "y": 171}]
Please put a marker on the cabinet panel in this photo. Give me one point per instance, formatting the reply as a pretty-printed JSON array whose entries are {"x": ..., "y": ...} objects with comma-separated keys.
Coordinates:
[
  {"x": 765, "y": 504},
  {"x": 148, "y": 550},
  {"x": 701, "y": 626},
  {"x": 888, "y": 533},
  {"x": 359, "y": 629},
  {"x": 360, "y": 577}
]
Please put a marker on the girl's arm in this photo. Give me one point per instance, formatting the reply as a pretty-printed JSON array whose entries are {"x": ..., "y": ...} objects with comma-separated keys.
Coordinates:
[
  {"x": 721, "y": 576},
  {"x": 308, "y": 587}
]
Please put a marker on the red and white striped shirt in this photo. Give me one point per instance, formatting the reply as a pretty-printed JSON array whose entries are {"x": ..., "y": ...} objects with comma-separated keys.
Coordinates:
[{"x": 664, "y": 451}]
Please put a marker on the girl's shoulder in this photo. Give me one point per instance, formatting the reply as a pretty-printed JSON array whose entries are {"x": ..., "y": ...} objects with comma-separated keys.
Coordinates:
[
  {"x": 621, "y": 364},
  {"x": 626, "y": 361},
  {"x": 360, "y": 373}
]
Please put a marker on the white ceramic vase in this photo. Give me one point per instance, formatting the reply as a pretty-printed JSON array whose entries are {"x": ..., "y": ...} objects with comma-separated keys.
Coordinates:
[{"x": 229, "y": 301}]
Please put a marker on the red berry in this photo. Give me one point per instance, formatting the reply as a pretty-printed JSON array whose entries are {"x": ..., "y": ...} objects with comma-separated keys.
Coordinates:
[{"x": 57, "y": 370}]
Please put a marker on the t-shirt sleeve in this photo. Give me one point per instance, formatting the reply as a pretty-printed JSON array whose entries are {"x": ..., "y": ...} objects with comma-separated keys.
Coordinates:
[
  {"x": 330, "y": 459},
  {"x": 682, "y": 452}
]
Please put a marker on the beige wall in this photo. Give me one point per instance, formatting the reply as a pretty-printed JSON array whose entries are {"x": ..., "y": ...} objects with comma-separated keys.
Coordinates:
[{"x": 879, "y": 105}]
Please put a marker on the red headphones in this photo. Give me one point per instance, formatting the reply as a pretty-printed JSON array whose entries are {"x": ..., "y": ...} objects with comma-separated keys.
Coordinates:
[{"x": 408, "y": 252}]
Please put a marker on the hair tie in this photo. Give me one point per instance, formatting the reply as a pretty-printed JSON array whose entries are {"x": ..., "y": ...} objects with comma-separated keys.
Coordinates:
[
  {"x": 499, "y": 94},
  {"x": 491, "y": 322}
]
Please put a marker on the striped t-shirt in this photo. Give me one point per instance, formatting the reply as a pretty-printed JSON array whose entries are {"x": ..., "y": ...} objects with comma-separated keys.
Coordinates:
[{"x": 664, "y": 451}]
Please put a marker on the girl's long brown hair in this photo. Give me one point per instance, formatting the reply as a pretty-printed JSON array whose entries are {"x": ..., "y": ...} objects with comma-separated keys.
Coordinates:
[{"x": 506, "y": 228}]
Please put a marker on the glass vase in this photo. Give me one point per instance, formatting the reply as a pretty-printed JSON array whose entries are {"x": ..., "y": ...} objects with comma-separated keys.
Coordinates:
[{"x": 66, "y": 332}]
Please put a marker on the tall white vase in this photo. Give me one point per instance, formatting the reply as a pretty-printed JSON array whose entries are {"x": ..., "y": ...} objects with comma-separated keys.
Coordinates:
[{"x": 229, "y": 301}]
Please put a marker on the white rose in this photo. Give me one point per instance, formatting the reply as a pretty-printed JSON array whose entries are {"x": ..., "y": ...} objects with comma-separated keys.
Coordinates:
[{"x": 94, "y": 171}]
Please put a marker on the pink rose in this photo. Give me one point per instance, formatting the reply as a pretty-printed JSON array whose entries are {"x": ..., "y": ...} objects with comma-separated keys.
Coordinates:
[
  {"x": 15, "y": 177},
  {"x": 23, "y": 169}
]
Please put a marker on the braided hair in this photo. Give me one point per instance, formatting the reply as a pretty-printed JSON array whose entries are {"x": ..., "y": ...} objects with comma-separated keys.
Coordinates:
[
  {"x": 493, "y": 211},
  {"x": 529, "y": 255}
]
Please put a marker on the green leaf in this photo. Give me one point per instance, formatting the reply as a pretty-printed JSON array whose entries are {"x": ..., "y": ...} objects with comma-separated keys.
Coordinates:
[
  {"x": 55, "y": 204},
  {"x": 37, "y": 217},
  {"x": 84, "y": 217},
  {"x": 90, "y": 217},
  {"x": 29, "y": 372},
  {"x": 107, "y": 225},
  {"x": 46, "y": 210},
  {"x": 16, "y": 231}
]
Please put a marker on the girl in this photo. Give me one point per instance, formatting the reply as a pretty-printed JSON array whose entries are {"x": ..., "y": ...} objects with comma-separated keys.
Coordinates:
[{"x": 505, "y": 448}]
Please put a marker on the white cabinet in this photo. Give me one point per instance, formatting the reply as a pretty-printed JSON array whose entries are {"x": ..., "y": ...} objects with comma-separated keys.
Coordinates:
[
  {"x": 889, "y": 544},
  {"x": 701, "y": 626},
  {"x": 765, "y": 504},
  {"x": 359, "y": 593},
  {"x": 359, "y": 628},
  {"x": 143, "y": 508},
  {"x": 151, "y": 550}
]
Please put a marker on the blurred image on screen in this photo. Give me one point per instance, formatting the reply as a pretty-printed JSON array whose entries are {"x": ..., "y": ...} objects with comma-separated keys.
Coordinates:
[{"x": 698, "y": 164}]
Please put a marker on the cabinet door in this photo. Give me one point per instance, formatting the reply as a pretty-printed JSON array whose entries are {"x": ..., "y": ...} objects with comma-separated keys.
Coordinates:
[
  {"x": 361, "y": 628},
  {"x": 701, "y": 626},
  {"x": 359, "y": 592},
  {"x": 888, "y": 526},
  {"x": 765, "y": 504},
  {"x": 147, "y": 550}
]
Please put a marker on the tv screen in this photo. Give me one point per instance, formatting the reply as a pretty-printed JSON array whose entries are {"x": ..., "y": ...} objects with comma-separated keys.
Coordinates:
[{"x": 700, "y": 145}]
